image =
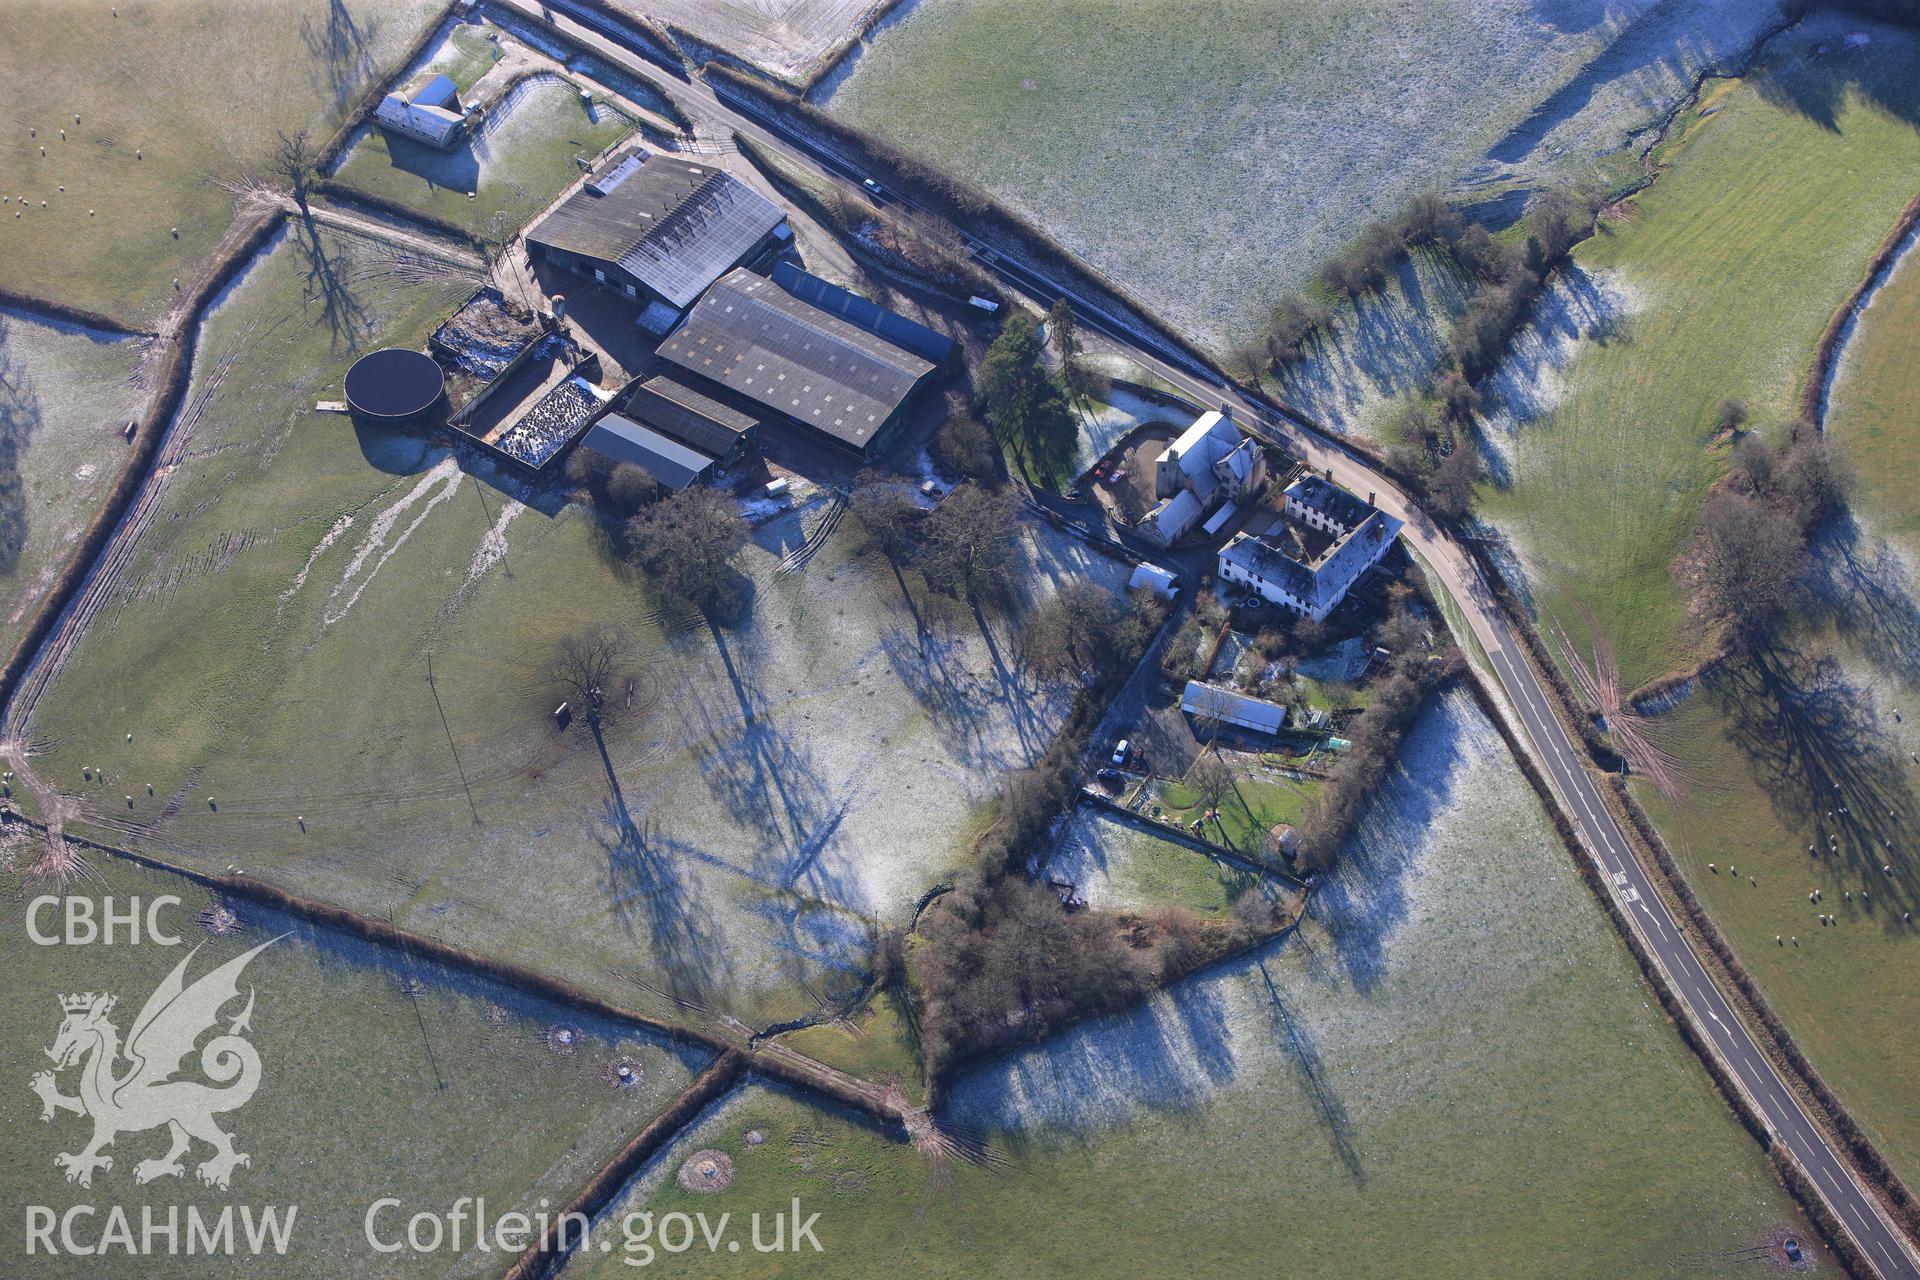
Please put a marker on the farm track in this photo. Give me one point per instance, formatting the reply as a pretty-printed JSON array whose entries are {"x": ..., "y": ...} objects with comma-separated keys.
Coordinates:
[{"x": 796, "y": 559}]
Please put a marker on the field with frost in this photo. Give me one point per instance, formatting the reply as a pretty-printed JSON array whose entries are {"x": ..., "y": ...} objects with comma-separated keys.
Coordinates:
[
  {"x": 65, "y": 396},
  {"x": 1716, "y": 282},
  {"x": 1791, "y": 765},
  {"x": 1452, "y": 1068},
  {"x": 767, "y": 794},
  {"x": 375, "y": 1073},
  {"x": 1210, "y": 167}
]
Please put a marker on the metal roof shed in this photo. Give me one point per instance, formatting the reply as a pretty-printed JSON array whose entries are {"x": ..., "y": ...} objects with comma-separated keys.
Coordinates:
[
  {"x": 1228, "y": 706},
  {"x": 673, "y": 464}
]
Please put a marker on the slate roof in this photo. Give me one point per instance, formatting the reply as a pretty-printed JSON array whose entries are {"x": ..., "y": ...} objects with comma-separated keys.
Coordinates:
[
  {"x": 1331, "y": 501},
  {"x": 673, "y": 224},
  {"x": 759, "y": 341}
]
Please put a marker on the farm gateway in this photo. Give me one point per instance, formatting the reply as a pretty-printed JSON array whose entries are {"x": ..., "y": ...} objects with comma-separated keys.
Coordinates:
[{"x": 87, "y": 1231}]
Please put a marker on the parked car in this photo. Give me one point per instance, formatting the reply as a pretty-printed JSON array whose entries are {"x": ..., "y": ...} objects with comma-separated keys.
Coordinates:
[
  {"x": 1121, "y": 751},
  {"x": 1112, "y": 778}
]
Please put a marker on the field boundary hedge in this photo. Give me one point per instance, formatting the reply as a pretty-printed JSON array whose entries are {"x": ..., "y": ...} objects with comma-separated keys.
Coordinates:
[
  {"x": 1833, "y": 1235},
  {"x": 60, "y": 311},
  {"x": 248, "y": 236},
  {"x": 719, "y": 1076},
  {"x": 1813, "y": 391}
]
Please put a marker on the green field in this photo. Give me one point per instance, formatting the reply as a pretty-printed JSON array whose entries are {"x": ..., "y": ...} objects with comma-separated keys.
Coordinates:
[
  {"x": 1250, "y": 810},
  {"x": 66, "y": 394},
  {"x": 1776, "y": 191},
  {"x": 1210, "y": 161},
  {"x": 173, "y": 100},
  {"x": 1450, "y": 1070},
  {"x": 267, "y": 647},
  {"x": 1874, "y": 409},
  {"x": 380, "y": 1076},
  {"x": 1718, "y": 282},
  {"x": 524, "y": 155}
]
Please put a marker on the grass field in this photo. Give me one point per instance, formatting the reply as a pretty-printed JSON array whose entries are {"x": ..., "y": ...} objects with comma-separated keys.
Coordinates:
[
  {"x": 1210, "y": 166},
  {"x": 522, "y": 156},
  {"x": 1450, "y": 1070},
  {"x": 781, "y": 786},
  {"x": 173, "y": 100},
  {"x": 380, "y": 1076},
  {"x": 1252, "y": 809},
  {"x": 1719, "y": 283},
  {"x": 1874, "y": 408},
  {"x": 1777, "y": 190},
  {"x": 65, "y": 395}
]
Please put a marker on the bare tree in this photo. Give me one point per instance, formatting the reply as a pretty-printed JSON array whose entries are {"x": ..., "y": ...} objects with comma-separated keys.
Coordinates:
[
  {"x": 584, "y": 667},
  {"x": 970, "y": 542},
  {"x": 293, "y": 159},
  {"x": 1212, "y": 779}
]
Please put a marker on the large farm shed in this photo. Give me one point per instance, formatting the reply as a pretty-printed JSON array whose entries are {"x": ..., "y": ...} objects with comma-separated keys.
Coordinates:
[
  {"x": 658, "y": 228},
  {"x": 808, "y": 366}
]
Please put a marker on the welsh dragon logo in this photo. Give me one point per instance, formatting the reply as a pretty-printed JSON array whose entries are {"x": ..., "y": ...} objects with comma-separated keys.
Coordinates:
[{"x": 144, "y": 1093}]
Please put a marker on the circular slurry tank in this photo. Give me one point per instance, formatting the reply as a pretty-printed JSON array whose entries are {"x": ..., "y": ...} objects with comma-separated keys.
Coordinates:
[{"x": 394, "y": 385}]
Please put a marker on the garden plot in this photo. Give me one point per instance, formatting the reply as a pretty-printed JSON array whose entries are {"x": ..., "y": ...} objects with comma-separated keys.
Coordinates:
[
  {"x": 1453, "y": 1056},
  {"x": 1381, "y": 349},
  {"x": 66, "y": 395},
  {"x": 766, "y": 794},
  {"x": 1774, "y": 194},
  {"x": 1117, "y": 865},
  {"x": 380, "y": 1075},
  {"x": 174, "y": 100},
  {"x": 523, "y": 155},
  {"x": 1211, "y": 167}
]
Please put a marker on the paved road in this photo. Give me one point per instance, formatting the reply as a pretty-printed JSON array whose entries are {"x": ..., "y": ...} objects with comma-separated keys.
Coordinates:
[{"x": 1883, "y": 1246}]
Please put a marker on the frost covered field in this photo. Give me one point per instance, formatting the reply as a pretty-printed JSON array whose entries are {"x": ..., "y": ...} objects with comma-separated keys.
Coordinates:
[
  {"x": 373, "y": 1069},
  {"x": 1451, "y": 1069},
  {"x": 1211, "y": 165},
  {"x": 769, "y": 792},
  {"x": 66, "y": 393}
]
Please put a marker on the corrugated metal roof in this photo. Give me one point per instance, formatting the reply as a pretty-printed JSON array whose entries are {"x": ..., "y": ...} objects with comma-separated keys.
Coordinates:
[
  {"x": 926, "y": 343},
  {"x": 677, "y": 410},
  {"x": 1217, "y": 702},
  {"x": 673, "y": 224},
  {"x": 756, "y": 339},
  {"x": 673, "y": 464}
]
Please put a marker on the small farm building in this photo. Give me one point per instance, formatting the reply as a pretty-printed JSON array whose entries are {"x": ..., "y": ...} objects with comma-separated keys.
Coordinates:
[
  {"x": 675, "y": 465},
  {"x": 1229, "y": 706}
]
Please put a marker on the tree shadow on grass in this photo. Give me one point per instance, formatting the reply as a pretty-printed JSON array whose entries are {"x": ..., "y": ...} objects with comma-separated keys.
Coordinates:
[
  {"x": 1305, "y": 1056},
  {"x": 329, "y": 283},
  {"x": 339, "y": 59},
  {"x": 1365, "y": 898},
  {"x": 1871, "y": 592},
  {"x": 1815, "y": 73},
  {"x": 1817, "y": 748}
]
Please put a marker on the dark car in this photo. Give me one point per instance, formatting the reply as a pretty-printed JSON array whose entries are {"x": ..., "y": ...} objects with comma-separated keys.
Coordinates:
[{"x": 1112, "y": 778}]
